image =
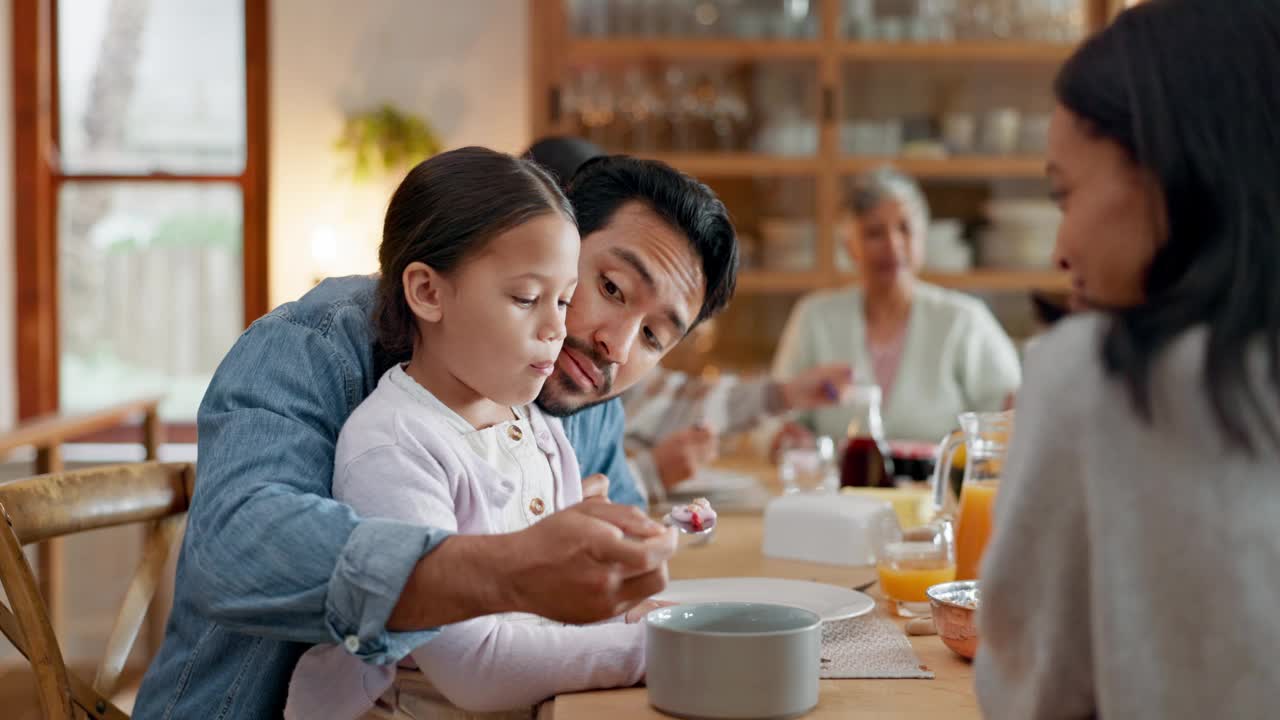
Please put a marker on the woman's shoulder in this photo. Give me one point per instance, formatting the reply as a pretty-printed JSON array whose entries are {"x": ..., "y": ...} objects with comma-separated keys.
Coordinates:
[
  {"x": 953, "y": 304},
  {"x": 1066, "y": 362},
  {"x": 839, "y": 300}
]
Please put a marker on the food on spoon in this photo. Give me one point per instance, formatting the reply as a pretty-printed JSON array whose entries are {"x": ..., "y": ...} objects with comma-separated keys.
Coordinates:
[{"x": 697, "y": 514}]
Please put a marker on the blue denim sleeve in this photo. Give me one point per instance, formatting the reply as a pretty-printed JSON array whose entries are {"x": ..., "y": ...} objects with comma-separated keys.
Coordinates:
[
  {"x": 596, "y": 435},
  {"x": 270, "y": 550}
]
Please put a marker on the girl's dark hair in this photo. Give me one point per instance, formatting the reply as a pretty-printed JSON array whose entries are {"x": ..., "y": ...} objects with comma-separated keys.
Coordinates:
[
  {"x": 445, "y": 210},
  {"x": 1191, "y": 89}
]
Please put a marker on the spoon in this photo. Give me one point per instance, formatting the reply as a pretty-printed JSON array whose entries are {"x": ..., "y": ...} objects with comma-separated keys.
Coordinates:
[{"x": 687, "y": 527}]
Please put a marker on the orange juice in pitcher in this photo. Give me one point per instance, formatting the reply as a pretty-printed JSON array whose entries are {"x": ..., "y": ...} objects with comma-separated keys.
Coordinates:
[
  {"x": 985, "y": 438},
  {"x": 973, "y": 525}
]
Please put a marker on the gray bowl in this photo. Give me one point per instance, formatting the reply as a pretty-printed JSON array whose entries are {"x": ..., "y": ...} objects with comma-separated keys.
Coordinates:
[{"x": 733, "y": 660}]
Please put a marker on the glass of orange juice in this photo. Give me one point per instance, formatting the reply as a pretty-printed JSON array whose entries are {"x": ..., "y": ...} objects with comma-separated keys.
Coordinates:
[{"x": 910, "y": 562}]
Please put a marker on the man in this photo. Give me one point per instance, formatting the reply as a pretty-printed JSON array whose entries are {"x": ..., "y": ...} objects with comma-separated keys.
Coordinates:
[
  {"x": 674, "y": 421},
  {"x": 271, "y": 564}
]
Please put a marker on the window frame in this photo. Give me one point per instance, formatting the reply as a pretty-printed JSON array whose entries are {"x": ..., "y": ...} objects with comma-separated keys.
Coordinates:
[{"x": 38, "y": 177}]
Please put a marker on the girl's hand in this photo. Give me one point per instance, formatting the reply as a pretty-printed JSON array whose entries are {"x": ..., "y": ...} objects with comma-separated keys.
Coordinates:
[
  {"x": 637, "y": 613},
  {"x": 595, "y": 487}
]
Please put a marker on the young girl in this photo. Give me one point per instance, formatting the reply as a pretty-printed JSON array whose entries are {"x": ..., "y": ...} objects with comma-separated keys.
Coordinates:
[{"x": 479, "y": 259}]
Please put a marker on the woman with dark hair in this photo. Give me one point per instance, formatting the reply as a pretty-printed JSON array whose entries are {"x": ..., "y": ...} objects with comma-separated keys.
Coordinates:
[{"x": 1135, "y": 570}]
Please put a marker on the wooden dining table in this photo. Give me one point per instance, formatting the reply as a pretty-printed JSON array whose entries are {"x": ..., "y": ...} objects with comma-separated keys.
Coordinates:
[{"x": 735, "y": 551}]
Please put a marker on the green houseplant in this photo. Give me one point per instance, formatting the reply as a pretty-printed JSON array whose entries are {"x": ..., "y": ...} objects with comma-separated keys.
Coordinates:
[{"x": 386, "y": 140}]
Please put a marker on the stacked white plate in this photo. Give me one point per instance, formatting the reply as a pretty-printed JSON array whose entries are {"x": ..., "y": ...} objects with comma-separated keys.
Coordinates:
[{"x": 1022, "y": 234}]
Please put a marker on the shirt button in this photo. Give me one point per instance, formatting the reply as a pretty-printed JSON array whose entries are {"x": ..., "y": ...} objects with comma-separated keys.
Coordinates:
[
  {"x": 515, "y": 433},
  {"x": 352, "y": 644},
  {"x": 536, "y": 506}
]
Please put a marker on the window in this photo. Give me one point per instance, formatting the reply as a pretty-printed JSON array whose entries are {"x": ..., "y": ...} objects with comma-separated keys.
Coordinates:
[{"x": 141, "y": 196}]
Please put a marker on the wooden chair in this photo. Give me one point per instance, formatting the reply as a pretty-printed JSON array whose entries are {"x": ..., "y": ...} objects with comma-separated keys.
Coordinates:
[
  {"x": 47, "y": 434},
  {"x": 50, "y": 506}
]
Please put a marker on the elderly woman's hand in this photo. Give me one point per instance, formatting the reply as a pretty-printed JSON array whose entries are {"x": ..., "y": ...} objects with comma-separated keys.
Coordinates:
[{"x": 817, "y": 387}]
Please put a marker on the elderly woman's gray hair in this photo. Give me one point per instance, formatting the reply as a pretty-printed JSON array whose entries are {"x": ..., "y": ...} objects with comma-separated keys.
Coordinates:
[{"x": 888, "y": 184}]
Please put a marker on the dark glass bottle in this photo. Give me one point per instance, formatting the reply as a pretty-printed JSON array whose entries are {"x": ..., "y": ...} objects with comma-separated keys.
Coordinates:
[{"x": 867, "y": 462}]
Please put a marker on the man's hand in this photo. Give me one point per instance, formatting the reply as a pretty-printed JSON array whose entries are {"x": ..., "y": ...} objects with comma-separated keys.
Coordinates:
[
  {"x": 637, "y": 613},
  {"x": 679, "y": 455},
  {"x": 817, "y": 387},
  {"x": 589, "y": 562}
]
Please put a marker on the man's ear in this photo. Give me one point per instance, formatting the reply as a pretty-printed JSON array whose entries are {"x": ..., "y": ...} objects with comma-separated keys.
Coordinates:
[{"x": 423, "y": 288}]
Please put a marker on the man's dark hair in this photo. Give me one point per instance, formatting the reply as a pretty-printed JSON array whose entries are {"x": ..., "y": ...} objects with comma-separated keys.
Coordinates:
[{"x": 603, "y": 185}]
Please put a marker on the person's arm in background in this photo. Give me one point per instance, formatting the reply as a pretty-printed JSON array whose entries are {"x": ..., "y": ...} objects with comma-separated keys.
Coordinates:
[
  {"x": 731, "y": 404},
  {"x": 795, "y": 352},
  {"x": 991, "y": 370},
  {"x": 674, "y": 459}
]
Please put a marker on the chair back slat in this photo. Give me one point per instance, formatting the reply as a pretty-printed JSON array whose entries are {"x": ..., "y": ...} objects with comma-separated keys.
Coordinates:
[
  {"x": 28, "y": 627},
  {"x": 50, "y": 506},
  {"x": 161, "y": 542}
]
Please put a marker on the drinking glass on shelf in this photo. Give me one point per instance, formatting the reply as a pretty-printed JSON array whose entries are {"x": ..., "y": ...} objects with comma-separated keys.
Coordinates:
[
  {"x": 721, "y": 108},
  {"x": 860, "y": 19},
  {"x": 639, "y": 107},
  {"x": 623, "y": 16},
  {"x": 680, "y": 108},
  {"x": 595, "y": 105},
  {"x": 678, "y": 16},
  {"x": 590, "y": 18},
  {"x": 909, "y": 562}
]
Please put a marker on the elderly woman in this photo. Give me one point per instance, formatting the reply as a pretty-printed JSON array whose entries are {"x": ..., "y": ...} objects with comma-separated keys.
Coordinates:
[{"x": 933, "y": 352}]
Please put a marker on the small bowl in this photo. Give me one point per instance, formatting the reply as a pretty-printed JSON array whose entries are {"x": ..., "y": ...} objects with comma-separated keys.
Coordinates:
[
  {"x": 733, "y": 660},
  {"x": 955, "y": 613}
]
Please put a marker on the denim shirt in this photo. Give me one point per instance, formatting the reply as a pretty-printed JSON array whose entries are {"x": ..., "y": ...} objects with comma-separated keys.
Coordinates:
[{"x": 270, "y": 563}]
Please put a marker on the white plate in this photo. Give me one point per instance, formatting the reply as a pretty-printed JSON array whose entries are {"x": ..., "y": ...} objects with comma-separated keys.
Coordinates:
[
  {"x": 829, "y": 602},
  {"x": 711, "y": 481}
]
